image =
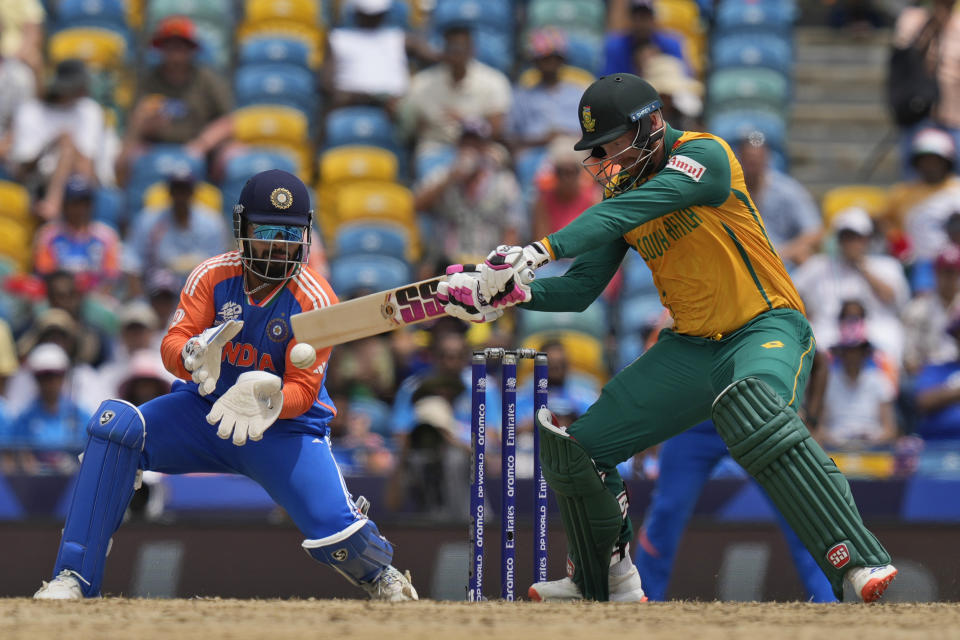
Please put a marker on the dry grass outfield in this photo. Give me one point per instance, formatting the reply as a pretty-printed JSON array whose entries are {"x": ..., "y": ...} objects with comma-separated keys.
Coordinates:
[{"x": 22, "y": 619}]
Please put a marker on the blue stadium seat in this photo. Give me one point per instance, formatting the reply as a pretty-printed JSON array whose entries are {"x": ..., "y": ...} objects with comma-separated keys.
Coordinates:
[
  {"x": 748, "y": 87},
  {"x": 494, "y": 48},
  {"x": 585, "y": 51},
  {"x": 275, "y": 50},
  {"x": 759, "y": 50},
  {"x": 637, "y": 278},
  {"x": 108, "y": 207},
  {"x": 378, "y": 413},
  {"x": 367, "y": 273},
  {"x": 429, "y": 161},
  {"x": 398, "y": 16},
  {"x": 283, "y": 84},
  {"x": 360, "y": 125},
  {"x": 155, "y": 165},
  {"x": 383, "y": 239},
  {"x": 104, "y": 14},
  {"x": 495, "y": 15},
  {"x": 767, "y": 16},
  {"x": 735, "y": 124},
  {"x": 242, "y": 166},
  {"x": 638, "y": 312},
  {"x": 591, "y": 321}
]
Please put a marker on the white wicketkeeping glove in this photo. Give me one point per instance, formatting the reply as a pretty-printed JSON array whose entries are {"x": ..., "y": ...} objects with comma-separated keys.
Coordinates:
[
  {"x": 249, "y": 407},
  {"x": 202, "y": 353},
  {"x": 460, "y": 295},
  {"x": 505, "y": 274}
]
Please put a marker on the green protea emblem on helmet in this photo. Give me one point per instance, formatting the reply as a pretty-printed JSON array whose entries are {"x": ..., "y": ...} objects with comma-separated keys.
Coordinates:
[{"x": 589, "y": 124}]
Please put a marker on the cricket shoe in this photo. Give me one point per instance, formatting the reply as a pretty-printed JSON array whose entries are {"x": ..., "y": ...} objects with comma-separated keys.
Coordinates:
[
  {"x": 871, "y": 582},
  {"x": 623, "y": 588},
  {"x": 66, "y": 586},
  {"x": 391, "y": 586}
]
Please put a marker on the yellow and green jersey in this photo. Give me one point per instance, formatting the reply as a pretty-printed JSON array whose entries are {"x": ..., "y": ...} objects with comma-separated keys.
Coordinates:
[{"x": 698, "y": 230}]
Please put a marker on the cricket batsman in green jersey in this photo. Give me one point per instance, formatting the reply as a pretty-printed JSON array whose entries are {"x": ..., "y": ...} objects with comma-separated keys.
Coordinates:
[{"x": 739, "y": 352}]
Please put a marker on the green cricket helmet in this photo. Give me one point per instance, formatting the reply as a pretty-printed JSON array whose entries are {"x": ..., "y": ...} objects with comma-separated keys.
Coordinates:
[{"x": 613, "y": 105}]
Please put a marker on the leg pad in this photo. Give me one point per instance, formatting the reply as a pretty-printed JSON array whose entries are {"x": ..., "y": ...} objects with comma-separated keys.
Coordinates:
[
  {"x": 770, "y": 441},
  {"x": 102, "y": 492},
  {"x": 591, "y": 515},
  {"x": 359, "y": 552}
]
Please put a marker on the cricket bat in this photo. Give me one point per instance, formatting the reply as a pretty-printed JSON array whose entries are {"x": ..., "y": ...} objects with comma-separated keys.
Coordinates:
[
  {"x": 369, "y": 315},
  {"x": 373, "y": 314}
]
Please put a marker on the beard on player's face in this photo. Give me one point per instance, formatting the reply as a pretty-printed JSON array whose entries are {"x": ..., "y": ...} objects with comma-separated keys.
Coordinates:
[{"x": 270, "y": 259}]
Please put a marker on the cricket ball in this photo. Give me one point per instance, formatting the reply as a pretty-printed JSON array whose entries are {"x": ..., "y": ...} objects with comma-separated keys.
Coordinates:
[{"x": 303, "y": 355}]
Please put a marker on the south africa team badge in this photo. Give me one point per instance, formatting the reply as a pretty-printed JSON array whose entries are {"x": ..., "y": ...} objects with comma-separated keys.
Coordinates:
[
  {"x": 281, "y": 198},
  {"x": 589, "y": 122}
]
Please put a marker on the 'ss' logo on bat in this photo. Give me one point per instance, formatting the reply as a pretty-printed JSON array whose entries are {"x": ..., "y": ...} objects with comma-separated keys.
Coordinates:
[{"x": 413, "y": 304}]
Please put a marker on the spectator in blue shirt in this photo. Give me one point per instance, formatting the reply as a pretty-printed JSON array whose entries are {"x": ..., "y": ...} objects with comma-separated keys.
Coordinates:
[
  {"x": 178, "y": 237},
  {"x": 52, "y": 425},
  {"x": 642, "y": 34},
  {"x": 937, "y": 395},
  {"x": 547, "y": 108}
]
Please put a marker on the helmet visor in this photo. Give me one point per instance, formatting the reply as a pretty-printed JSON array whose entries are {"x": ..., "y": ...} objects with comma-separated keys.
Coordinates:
[{"x": 273, "y": 252}]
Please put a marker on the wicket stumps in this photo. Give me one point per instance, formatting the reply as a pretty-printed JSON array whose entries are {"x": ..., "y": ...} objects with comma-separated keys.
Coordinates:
[{"x": 508, "y": 448}]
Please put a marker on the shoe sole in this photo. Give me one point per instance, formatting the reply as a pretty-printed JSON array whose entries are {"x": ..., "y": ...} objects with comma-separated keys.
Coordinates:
[{"x": 874, "y": 588}]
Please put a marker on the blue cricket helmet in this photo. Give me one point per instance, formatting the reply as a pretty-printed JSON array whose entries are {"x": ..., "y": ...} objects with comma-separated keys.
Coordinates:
[{"x": 275, "y": 196}]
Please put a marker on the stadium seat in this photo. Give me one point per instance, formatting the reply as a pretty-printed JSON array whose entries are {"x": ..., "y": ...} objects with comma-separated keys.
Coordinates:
[
  {"x": 575, "y": 15},
  {"x": 99, "y": 48},
  {"x": 263, "y": 125},
  {"x": 638, "y": 312},
  {"x": 275, "y": 50},
  {"x": 381, "y": 238},
  {"x": 280, "y": 84},
  {"x": 108, "y": 207},
  {"x": 16, "y": 242},
  {"x": 733, "y": 125},
  {"x": 382, "y": 201},
  {"x": 682, "y": 16},
  {"x": 357, "y": 274},
  {"x": 157, "y": 196},
  {"x": 759, "y": 50},
  {"x": 496, "y": 15},
  {"x": 349, "y": 163},
  {"x": 213, "y": 11},
  {"x": 304, "y": 11},
  {"x": 494, "y": 48},
  {"x": 585, "y": 52},
  {"x": 584, "y": 351},
  {"x": 157, "y": 164},
  {"x": 14, "y": 202},
  {"x": 309, "y": 34},
  {"x": 429, "y": 161},
  {"x": 872, "y": 198},
  {"x": 748, "y": 87},
  {"x": 241, "y": 167},
  {"x": 103, "y": 14},
  {"x": 360, "y": 126},
  {"x": 637, "y": 277},
  {"x": 767, "y": 16}
]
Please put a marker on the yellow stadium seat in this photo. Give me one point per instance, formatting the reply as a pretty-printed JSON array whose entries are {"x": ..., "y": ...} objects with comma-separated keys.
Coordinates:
[
  {"x": 375, "y": 201},
  {"x": 14, "y": 202},
  {"x": 101, "y": 49},
  {"x": 347, "y": 164},
  {"x": 264, "y": 125},
  {"x": 679, "y": 15},
  {"x": 157, "y": 196},
  {"x": 304, "y": 11},
  {"x": 16, "y": 243},
  {"x": 871, "y": 198},
  {"x": 584, "y": 352},
  {"x": 310, "y": 34},
  {"x": 568, "y": 73}
]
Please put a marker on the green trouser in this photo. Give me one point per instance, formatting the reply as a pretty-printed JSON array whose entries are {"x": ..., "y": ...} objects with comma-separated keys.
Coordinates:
[{"x": 674, "y": 386}]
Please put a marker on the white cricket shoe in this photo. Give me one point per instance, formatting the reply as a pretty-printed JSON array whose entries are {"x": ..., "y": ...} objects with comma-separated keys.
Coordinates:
[
  {"x": 871, "y": 582},
  {"x": 623, "y": 588},
  {"x": 65, "y": 586},
  {"x": 391, "y": 586}
]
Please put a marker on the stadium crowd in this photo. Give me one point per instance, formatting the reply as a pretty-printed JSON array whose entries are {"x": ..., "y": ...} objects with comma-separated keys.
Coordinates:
[{"x": 431, "y": 131}]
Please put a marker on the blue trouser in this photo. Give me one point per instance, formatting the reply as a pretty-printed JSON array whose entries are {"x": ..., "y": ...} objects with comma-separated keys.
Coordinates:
[
  {"x": 686, "y": 462},
  {"x": 293, "y": 462}
]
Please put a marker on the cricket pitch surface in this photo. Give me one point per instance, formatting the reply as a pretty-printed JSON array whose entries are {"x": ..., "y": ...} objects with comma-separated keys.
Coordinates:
[{"x": 215, "y": 619}]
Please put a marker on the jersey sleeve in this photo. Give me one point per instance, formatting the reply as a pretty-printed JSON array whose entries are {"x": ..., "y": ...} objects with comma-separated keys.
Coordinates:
[
  {"x": 194, "y": 314},
  {"x": 586, "y": 279},
  {"x": 696, "y": 173},
  {"x": 302, "y": 386}
]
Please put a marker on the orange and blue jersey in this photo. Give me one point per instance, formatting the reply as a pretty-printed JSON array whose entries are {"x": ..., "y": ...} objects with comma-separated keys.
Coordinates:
[
  {"x": 214, "y": 293},
  {"x": 93, "y": 253}
]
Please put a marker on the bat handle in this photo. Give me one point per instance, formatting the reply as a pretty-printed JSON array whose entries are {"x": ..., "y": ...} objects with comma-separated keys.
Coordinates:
[{"x": 527, "y": 276}]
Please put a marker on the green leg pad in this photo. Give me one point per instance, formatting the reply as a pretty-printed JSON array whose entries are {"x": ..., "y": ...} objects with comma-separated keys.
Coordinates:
[
  {"x": 591, "y": 514},
  {"x": 770, "y": 441}
]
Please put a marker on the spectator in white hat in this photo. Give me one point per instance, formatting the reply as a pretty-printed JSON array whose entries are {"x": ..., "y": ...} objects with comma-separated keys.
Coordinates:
[{"x": 851, "y": 273}]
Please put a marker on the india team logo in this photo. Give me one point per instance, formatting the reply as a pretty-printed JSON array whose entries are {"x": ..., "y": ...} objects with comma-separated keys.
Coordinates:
[
  {"x": 278, "y": 330},
  {"x": 230, "y": 311},
  {"x": 589, "y": 123},
  {"x": 281, "y": 198}
]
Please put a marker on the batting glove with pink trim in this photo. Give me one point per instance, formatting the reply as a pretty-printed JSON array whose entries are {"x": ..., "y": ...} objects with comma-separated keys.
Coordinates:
[
  {"x": 505, "y": 274},
  {"x": 460, "y": 295}
]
